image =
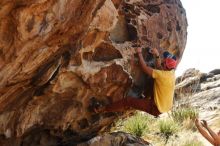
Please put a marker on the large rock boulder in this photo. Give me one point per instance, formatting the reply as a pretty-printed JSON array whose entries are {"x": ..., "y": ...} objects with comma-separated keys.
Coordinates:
[
  {"x": 60, "y": 59},
  {"x": 116, "y": 139},
  {"x": 193, "y": 81},
  {"x": 188, "y": 83}
]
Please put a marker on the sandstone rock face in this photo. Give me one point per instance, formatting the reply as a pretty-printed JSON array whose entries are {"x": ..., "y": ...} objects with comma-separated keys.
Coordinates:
[{"x": 60, "y": 59}]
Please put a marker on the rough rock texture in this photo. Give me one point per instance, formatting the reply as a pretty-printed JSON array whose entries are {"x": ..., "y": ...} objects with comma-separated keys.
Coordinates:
[
  {"x": 188, "y": 83},
  {"x": 60, "y": 59},
  {"x": 116, "y": 139},
  {"x": 193, "y": 81},
  {"x": 201, "y": 90}
]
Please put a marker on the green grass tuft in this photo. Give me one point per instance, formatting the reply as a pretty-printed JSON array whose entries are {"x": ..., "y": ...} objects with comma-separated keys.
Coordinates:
[
  {"x": 182, "y": 114},
  {"x": 168, "y": 127},
  {"x": 137, "y": 124}
]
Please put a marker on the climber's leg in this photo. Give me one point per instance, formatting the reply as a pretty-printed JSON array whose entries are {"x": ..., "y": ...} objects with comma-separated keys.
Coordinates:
[{"x": 146, "y": 105}]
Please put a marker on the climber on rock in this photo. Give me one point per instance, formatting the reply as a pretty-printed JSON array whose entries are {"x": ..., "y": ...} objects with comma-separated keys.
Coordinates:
[
  {"x": 163, "y": 90},
  {"x": 211, "y": 136}
]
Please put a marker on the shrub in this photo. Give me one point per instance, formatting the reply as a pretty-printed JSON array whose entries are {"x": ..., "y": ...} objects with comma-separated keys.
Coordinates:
[
  {"x": 137, "y": 124},
  {"x": 168, "y": 127},
  {"x": 182, "y": 114}
]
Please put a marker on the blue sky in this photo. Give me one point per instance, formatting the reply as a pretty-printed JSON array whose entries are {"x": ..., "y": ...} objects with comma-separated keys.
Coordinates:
[{"x": 203, "y": 43}]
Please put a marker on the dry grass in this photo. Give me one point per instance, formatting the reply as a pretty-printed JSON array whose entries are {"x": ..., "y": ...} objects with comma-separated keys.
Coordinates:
[{"x": 182, "y": 114}]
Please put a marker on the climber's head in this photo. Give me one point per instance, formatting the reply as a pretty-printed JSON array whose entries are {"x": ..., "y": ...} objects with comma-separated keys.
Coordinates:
[{"x": 169, "y": 60}]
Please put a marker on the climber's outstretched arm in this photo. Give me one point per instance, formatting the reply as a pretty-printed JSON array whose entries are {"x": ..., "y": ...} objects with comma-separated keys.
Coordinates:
[
  {"x": 148, "y": 70},
  {"x": 156, "y": 54}
]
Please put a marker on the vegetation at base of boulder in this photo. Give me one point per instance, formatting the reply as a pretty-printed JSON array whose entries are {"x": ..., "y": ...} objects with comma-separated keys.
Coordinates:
[
  {"x": 168, "y": 127},
  {"x": 165, "y": 130},
  {"x": 137, "y": 124},
  {"x": 181, "y": 114}
]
